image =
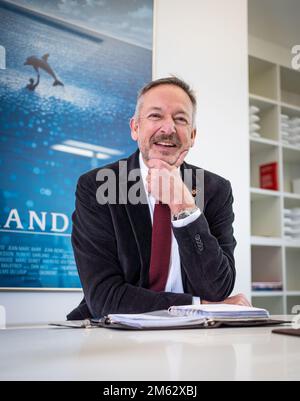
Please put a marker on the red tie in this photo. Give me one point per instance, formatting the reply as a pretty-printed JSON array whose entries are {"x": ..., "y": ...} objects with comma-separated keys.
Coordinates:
[{"x": 161, "y": 247}]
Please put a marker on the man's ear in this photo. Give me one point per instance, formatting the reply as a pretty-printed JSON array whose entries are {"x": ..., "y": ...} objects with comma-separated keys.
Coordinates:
[
  {"x": 193, "y": 137},
  {"x": 134, "y": 129}
]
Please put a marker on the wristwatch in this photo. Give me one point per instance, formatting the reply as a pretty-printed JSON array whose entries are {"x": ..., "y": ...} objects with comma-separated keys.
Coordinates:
[{"x": 184, "y": 213}]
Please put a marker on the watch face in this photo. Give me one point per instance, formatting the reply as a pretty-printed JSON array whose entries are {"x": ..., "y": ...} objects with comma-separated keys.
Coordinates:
[
  {"x": 182, "y": 215},
  {"x": 185, "y": 213}
]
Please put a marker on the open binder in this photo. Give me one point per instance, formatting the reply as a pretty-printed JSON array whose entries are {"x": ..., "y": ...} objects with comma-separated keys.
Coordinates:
[
  {"x": 183, "y": 317},
  {"x": 162, "y": 320}
]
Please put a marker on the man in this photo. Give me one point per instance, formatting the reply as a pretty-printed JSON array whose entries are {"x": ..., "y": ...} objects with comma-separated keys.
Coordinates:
[{"x": 167, "y": 250}]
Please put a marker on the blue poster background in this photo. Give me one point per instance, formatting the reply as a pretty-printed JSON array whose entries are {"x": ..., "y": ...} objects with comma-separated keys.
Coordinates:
[{"x": 41, "y": 129}]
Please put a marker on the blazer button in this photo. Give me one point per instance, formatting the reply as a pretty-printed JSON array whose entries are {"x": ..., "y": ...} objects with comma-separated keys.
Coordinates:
[
  {"x": 199, "y": 243},
  {"x": 200, "y": 246}
]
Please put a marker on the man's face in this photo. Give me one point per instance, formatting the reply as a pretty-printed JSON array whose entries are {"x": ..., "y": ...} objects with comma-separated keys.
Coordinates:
[{"x": 164, "y": 126}]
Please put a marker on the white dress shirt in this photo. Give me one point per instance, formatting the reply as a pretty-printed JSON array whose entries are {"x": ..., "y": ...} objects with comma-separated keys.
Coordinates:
[{"x": 174, "y": 281}]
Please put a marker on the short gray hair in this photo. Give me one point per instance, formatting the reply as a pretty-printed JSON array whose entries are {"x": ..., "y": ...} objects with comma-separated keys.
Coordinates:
[{"x": 175, "y": 81}]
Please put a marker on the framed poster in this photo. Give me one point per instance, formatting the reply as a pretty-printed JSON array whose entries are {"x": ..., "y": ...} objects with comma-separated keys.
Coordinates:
[{"x": 73, "y": 69}]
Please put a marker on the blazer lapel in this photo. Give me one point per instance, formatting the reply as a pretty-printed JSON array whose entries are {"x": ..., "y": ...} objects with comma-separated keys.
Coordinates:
[{"x": 140, "y": 220}]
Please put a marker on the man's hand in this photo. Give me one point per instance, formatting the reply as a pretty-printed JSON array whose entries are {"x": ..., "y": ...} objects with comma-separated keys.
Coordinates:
[
  {"x": 165, "y": 184},
  {"x": 239, "y": 299}
]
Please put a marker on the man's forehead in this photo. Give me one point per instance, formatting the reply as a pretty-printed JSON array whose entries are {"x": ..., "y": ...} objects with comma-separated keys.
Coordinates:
[
  {"x": 178, "y": 109},
  {"x": 167, "y": 90},
  {"x": 167, "y": 96}
]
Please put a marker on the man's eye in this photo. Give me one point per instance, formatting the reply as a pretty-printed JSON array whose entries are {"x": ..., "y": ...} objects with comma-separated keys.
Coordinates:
[
  {"x": 181, "y": 120},
  {"x": 154, "y": 116}
]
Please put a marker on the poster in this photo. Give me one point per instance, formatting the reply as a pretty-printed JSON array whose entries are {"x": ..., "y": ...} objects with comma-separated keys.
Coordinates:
[{"x": 68, "y": 90}]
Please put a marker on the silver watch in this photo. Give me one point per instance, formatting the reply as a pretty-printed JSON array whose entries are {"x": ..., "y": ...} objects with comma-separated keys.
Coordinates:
[{"x": 184, "y": 213}]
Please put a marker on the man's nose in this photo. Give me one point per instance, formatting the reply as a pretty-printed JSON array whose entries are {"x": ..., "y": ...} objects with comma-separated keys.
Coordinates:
[{"x": 168, "y": 125}]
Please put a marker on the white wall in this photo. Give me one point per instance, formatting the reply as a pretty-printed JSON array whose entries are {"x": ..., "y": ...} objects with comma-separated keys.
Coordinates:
[
  {"x": 38, "y": 307},
  {"x": 204, "y": 42}
]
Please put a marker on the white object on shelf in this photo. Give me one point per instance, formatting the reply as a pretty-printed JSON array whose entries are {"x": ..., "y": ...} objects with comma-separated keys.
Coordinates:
[
  {"x": 254, "y": 127},
  {"x": 254, "y": 119},
  {"x": 255, "y": 134},
  {"x": 267, "y": 286},
  {"x": 254, "y": 110},
  {"x": 295, "y": 222}
]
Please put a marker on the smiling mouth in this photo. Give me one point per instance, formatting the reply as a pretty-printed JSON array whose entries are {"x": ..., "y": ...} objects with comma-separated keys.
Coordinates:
[{"x": 165, "y": 145}]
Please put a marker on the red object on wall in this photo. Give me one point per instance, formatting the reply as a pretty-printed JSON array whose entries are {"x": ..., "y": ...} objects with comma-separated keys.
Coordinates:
[{"x": 269, "y": 176}]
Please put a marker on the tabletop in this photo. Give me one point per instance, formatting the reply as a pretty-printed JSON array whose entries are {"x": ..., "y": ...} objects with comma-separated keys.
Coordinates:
[{"x": 50, "y": 353}]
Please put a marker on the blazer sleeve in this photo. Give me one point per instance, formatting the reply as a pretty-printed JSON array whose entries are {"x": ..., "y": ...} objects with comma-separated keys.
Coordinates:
[
  {"x": 95, "y": 249},
  {"x": 206, "y": 248}
]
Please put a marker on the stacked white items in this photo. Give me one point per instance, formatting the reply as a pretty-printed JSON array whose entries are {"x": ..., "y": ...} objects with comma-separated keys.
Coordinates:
[
  {"x": 267, "y": 286},
  {"x": 292, "y": 223},
  {"x": 219, "y": 311},
  {"x": 290, "y": 130},
  {"x": 254, "y": 119}
]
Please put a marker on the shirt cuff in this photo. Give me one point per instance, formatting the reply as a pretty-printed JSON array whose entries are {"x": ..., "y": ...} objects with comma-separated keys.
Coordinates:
[
  {"x": 187, "y": 220},
  {"x": 196, "y": 301}
]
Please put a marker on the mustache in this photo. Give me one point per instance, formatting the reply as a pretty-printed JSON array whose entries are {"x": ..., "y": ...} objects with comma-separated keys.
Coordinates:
[{"x": 166, "y": 138}]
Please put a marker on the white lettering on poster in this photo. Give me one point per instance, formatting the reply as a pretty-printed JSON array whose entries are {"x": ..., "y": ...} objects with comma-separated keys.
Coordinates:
[{"x": 37, "y": 221}]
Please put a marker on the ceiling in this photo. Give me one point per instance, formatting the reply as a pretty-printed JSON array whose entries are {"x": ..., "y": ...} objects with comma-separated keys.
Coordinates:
[{"x": 276, "y": 21}]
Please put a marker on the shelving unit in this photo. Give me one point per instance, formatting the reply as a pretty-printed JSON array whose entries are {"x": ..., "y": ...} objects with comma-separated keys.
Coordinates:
[{"x": 275, "y": 91}]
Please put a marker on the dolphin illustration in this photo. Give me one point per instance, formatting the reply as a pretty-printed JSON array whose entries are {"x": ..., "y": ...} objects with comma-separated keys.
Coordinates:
[{"x": 42, "y": 63}]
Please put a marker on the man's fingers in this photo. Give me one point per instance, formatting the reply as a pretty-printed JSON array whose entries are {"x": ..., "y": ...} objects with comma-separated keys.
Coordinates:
[{"x": 181, "y": 158}]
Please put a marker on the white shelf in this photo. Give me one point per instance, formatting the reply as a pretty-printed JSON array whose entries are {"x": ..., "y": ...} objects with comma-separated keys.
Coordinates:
[
  {"x": 265, "y": 241},
  {"x": 265, "y": 141},
  {"x": 291, "y": 147},
  {"x": 257, "y": 193},
  {"x": 275, "y": 90},
  {"x": 290, "y": 195},
  {"x": 292, "y": 244},
  {"x": 293, "y": 293},
  {"x": 293, "y": 111},
  {"x": 257, "y": 98},
  {"x": 267, "y": 293}
]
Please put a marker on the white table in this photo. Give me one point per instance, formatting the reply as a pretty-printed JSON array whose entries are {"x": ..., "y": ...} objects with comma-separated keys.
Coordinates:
[{"x": 104, "y": 354}]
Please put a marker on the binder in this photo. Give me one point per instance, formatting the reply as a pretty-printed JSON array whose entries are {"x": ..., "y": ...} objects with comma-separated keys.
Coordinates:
[
  {"x": 174, "y": 319},
  {"x": 185, "y": 317},
  {"x": 207, "y": 324}
]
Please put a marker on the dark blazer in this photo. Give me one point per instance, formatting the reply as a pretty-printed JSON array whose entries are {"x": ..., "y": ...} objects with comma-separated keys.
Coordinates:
[{"x": 112, "y": 246}]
